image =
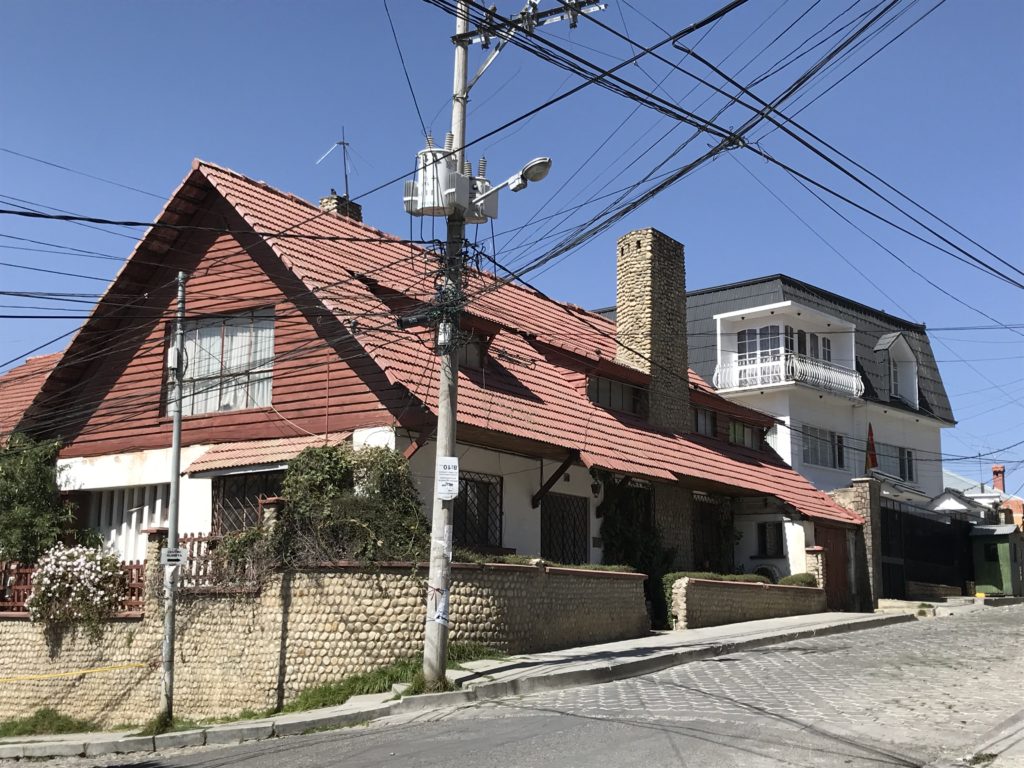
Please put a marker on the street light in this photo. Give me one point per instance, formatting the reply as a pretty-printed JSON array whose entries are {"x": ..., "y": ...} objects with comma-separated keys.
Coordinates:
[{"x": 535, "y": 170}]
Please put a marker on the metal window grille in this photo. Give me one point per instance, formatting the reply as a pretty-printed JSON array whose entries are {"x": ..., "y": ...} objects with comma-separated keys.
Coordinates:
[
  {"x": 565, "y": 528},
  {"x": 478, "y": 517},
  {"x": 237, "y": 499}
]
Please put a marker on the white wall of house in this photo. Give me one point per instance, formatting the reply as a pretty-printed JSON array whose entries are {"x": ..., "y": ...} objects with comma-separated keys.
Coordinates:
[
  {"x": 128, "y": 494},
  {"x": 799, "y": 406},
  {"x": 521, "y": 478},
  {"x": 797, "y": 535}
]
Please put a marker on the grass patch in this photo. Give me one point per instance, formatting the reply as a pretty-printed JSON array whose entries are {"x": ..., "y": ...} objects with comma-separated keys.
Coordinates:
[
  {"x": 43, "y": 722},
  {"x": 161, "y": 724},
  {"x": 925, "y": 605},
  {"x": 982, "y": 758},
  {"x": 381, "y": 680}
]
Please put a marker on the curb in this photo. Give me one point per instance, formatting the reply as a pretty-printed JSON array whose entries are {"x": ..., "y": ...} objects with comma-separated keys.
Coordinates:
[{"x": 298, "y": 723}]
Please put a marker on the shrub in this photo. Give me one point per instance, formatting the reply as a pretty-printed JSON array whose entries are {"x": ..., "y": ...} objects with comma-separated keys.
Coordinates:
[
  {"x": 74, "y": 586},
  {"x": 32, "y": 514},
  {"x": 799, "y": 580}
]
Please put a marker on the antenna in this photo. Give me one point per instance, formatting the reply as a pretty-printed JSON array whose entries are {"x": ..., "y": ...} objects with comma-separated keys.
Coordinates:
[{"x": 344, "y": 151}]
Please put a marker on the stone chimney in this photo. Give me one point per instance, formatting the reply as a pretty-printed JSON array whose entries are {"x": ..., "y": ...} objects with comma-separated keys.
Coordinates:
[
  {"x": 342, "y": 206},
  {"x": 650, "y": 316},
  {"x": 999, "y": 477}
]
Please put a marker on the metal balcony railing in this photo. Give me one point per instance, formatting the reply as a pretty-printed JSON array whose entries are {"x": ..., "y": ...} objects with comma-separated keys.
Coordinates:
[{"x": 777, "y": 369}]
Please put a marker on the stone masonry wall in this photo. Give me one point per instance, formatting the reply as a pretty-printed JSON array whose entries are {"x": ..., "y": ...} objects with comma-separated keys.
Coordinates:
[
  {"x": 863, "y": 496},
  {"x": 700, "y": 603},
  {"x": 257, "y": 651}
]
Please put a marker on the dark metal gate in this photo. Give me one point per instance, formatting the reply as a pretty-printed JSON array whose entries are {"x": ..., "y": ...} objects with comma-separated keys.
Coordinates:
[
  {"x": 564, "y": 528},
  {"x": 714, "y": 537},
  {"x": 920, "y": 545}
]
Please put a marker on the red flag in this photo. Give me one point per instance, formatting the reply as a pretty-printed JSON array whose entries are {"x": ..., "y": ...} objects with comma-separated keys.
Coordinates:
[{"x": 870, "y": 456}]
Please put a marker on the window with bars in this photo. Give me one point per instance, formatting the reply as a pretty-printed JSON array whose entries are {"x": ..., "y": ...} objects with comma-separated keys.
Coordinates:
[
  {"x": 228, "y": 362},
  {"x": 478, "y": 517},
  {"x": 237, "y": 499}
]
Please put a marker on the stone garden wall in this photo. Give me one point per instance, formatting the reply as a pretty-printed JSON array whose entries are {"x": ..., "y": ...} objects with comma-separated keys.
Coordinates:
[
  {"x": 701, "y": 603},
  {"x": 256, "y": 651}
]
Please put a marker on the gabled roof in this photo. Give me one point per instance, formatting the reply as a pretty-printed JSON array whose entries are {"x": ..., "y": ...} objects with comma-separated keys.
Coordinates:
[
  {"x": 873, "y": 328},
  {"x": 19, "y": 387},
  {"x": 530, "y": 393}
]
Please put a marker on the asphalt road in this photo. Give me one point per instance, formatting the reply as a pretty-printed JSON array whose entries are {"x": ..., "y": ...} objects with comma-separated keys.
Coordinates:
[{"x": 902, "y": 695}]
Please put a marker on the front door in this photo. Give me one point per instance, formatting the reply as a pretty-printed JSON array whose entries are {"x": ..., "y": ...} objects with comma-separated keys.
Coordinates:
[{"x": 564, "y": 528}]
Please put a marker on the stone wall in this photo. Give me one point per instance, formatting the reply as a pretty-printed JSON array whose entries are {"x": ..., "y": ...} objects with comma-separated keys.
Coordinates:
[
  {"x": 701, "y": 603},
  {"x": 863, "y": 496},
  {"x": 258, "y": 651}
]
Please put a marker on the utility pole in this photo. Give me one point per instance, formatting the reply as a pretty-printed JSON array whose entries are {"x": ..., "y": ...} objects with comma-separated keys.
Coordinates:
[
  {"x": 445, "y": 185},
  {"x": 435, "y": 645},
  {"x": 175, "y": 365}
]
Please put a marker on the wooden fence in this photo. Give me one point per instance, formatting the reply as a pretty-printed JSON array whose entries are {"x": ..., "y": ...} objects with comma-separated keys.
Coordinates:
[{"x": 16, "y": 586}]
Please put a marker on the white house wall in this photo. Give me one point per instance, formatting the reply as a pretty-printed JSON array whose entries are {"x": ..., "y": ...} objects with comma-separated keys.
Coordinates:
[
  {"x": 796, "y": 534},
  {"x": 798, "y": 406},
  {"x": 521, "y": 478},
  {"x": 134, "y": 473}
]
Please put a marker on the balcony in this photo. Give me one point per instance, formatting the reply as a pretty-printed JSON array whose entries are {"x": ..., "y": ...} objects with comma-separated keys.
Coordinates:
[{"x": 786, "y": 368}]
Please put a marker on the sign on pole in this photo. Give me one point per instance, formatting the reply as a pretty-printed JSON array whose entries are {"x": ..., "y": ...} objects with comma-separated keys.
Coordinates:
[
  {"x": 173, "y": 555},
  {"x": 446, "y": 477}
]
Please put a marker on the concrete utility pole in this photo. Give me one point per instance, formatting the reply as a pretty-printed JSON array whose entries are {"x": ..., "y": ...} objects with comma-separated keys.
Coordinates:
[
  {"x": 175, "y": 365},
  {"x": 435, "y": 645}
]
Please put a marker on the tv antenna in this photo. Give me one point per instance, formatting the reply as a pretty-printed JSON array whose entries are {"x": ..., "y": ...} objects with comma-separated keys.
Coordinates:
[{"x": 344, "y": 152}]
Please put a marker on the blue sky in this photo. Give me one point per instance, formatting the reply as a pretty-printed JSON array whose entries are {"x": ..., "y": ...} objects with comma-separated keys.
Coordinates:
[{"x": 132, "y": 91}]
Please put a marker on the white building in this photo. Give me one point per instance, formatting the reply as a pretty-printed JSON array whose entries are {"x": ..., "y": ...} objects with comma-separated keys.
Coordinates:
[{"x": 828, "y": 368}]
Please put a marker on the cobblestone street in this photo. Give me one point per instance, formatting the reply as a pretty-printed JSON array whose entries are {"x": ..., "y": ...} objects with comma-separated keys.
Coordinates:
[{"x": 901, "y": 695}]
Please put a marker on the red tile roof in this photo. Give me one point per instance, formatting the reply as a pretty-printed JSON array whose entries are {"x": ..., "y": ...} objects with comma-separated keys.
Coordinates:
[
  {"x": 355, "y": 269},
  {"x": 531, "y": 397},
  {"x": 19, "y": 387},
  {"x": 257, "y": 453}
]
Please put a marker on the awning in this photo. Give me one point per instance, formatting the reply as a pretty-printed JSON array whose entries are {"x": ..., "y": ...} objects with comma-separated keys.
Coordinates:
[{"x": 257, "y": 455}]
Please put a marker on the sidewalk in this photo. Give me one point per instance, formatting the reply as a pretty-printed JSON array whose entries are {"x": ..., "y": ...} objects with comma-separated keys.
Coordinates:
[{"x": 479, "y": 681}]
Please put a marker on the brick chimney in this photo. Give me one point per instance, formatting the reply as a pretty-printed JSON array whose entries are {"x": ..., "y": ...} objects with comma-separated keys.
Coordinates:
[
  {"x": 342, "y": 206},
  {"x": 650, "y": 316},
  {"x": 999, "y": 477}
]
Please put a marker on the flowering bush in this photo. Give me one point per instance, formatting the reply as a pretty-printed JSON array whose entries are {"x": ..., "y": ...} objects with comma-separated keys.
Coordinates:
[{"x": 74, "y": 586}]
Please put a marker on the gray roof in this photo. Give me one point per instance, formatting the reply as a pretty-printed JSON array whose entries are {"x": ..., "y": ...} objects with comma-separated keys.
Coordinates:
[{"x": 873, "y": 328}]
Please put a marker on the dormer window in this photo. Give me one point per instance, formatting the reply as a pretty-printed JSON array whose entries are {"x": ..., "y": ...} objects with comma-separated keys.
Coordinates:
[
  {"x": 901, "y": 365},
  {"x": 741, "y": 433},
  {"x": 618, "y": 396},
  {"x": 473, "y": 353},
  {"x": 705, "y": 422}
]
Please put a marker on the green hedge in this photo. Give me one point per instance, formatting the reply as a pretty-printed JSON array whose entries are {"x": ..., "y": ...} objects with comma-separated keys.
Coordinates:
[
  {"x": 799, "y": 580},
  {"x": 669, "y": 580}
]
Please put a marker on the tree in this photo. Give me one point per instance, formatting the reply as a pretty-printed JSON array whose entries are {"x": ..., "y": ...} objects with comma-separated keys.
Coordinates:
[{"x": 32, "y": 514}]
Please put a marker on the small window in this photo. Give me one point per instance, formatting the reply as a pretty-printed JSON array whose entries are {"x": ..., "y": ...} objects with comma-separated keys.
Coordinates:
[
  {"x": 826, "y": 349},
  {"x": 477, "y": 518},
  {"x": 801, "y": 342},
  {"x": 745, "y": 435},
  {"x": 896, "y": 461},
  {"x": 473, "y": 354},
  {"x": 618, "y": 396},
  {"x": 790, "y": 339},
  {"x": 894, "y": 378},
  {"x": 770, "y": 540},
  {"x": 815, "y": 351},
  {"x": 823, "y": 448},
  {"x": 907, "y": 464},
  {"x": 704, "y": 422}
]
